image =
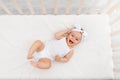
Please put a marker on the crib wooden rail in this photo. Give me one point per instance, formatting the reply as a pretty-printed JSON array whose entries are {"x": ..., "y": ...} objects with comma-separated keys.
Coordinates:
[
  {"x": 18, "y": 8},
  {"x": 43, "y": 8},
  {"x": 5, "y": 8},
  {"x": 110, "y": 7},
  {"x": 104, "y": 8}
]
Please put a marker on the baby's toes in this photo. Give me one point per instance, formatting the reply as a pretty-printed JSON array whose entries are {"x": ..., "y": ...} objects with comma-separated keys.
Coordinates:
[
  {"x": 29, "y": 57},
  {"x": 33, "y": 63}
]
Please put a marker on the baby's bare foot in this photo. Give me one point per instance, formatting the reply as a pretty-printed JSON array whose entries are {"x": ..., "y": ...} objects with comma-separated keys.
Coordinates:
[
  {"x": 33, "y": 63},
  {"x": 29, "y": 56}
]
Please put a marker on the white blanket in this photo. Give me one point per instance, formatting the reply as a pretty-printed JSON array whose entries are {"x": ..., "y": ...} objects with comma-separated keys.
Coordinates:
[{"x": 92, "y": 58}]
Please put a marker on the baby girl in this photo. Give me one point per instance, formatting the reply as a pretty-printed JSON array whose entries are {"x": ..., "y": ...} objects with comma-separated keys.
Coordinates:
[{"x": 60, "y": 49}]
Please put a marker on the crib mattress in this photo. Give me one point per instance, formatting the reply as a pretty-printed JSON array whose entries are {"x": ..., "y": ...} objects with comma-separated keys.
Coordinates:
[{"x": 92, "y": 58}]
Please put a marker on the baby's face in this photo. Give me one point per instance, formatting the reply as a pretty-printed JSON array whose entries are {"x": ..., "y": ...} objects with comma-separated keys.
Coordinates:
[{"x": 74, "y": 38}]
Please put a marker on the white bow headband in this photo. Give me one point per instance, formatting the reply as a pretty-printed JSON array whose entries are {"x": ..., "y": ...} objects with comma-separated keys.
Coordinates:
[{"x": 78, "y": 28}]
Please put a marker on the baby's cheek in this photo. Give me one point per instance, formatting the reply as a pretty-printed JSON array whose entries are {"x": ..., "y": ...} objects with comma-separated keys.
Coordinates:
[
  {"x": 77, "y": 42},
  {"x": 70, "y": 36}
]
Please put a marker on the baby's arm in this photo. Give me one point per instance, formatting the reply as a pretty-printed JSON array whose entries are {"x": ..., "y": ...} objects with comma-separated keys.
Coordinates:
[
  {"x": 65, "y": 58},
  {"x": 62, "y": 34}
]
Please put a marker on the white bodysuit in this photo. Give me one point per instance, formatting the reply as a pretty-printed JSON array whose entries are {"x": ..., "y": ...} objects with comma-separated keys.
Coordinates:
[{"x": 53, "y": 48}]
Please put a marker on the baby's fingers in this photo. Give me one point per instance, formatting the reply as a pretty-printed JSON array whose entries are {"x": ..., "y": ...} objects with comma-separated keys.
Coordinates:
[
  {"x": 57, "y": 58},
  {"x": 69, "y": 30}
]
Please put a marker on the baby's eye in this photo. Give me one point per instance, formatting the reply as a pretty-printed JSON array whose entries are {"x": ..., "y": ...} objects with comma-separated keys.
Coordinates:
[{"x": 72, "y": 35}]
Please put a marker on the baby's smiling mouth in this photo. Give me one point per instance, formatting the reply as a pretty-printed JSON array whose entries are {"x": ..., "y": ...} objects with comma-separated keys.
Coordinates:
[{"x": 71, "y": 42}]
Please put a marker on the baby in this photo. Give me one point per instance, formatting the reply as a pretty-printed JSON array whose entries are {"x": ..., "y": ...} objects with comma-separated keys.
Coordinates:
[{"x": 60, "y": 49}]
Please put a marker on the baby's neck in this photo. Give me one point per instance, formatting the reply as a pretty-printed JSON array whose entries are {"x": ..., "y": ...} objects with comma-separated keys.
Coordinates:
[{"x": 70, "y": 47}]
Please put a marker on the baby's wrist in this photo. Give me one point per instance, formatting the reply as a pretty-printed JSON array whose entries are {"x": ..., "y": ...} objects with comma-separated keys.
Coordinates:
[
  {"x": 64, "y": 59},
  {"x": 60, "y": 59}
]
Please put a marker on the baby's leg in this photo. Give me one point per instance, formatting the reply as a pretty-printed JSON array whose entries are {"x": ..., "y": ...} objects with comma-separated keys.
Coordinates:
[
  {"x": 36, "y": 46},
  {"x": 43, "y": 63}
]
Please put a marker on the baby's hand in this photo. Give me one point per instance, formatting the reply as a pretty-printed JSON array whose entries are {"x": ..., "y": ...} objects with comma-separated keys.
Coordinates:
[
  {"x": 69, "y": 30},
  {"x": 57, "y": 58}
]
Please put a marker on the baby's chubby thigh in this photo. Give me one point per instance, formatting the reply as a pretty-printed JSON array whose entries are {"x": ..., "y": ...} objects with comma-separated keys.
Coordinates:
[
  {"x": 44, "y": 63},
  {"x": 43, "y": 59}
]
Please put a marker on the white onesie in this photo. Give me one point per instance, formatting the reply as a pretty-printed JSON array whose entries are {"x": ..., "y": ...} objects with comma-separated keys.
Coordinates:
[{"x": 53, "y": 48}]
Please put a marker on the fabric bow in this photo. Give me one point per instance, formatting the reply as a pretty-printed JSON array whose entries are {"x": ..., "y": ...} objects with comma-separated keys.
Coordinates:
[{"x": 78, "y": 28}]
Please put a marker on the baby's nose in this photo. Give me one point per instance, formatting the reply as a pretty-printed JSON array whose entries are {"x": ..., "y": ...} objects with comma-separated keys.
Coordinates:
[{"x": 73, "y": 39}]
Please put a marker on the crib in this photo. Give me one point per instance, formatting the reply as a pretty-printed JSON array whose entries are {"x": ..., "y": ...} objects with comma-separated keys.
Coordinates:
[{"x": 71, "y": 7}]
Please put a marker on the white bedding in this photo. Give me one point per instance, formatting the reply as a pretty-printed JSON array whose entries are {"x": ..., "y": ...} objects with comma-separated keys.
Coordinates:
[{"x": 92, "y": 58}]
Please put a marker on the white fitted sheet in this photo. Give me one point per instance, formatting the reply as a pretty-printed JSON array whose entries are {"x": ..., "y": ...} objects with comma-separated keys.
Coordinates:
[{"x": 92, "y": 58}]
